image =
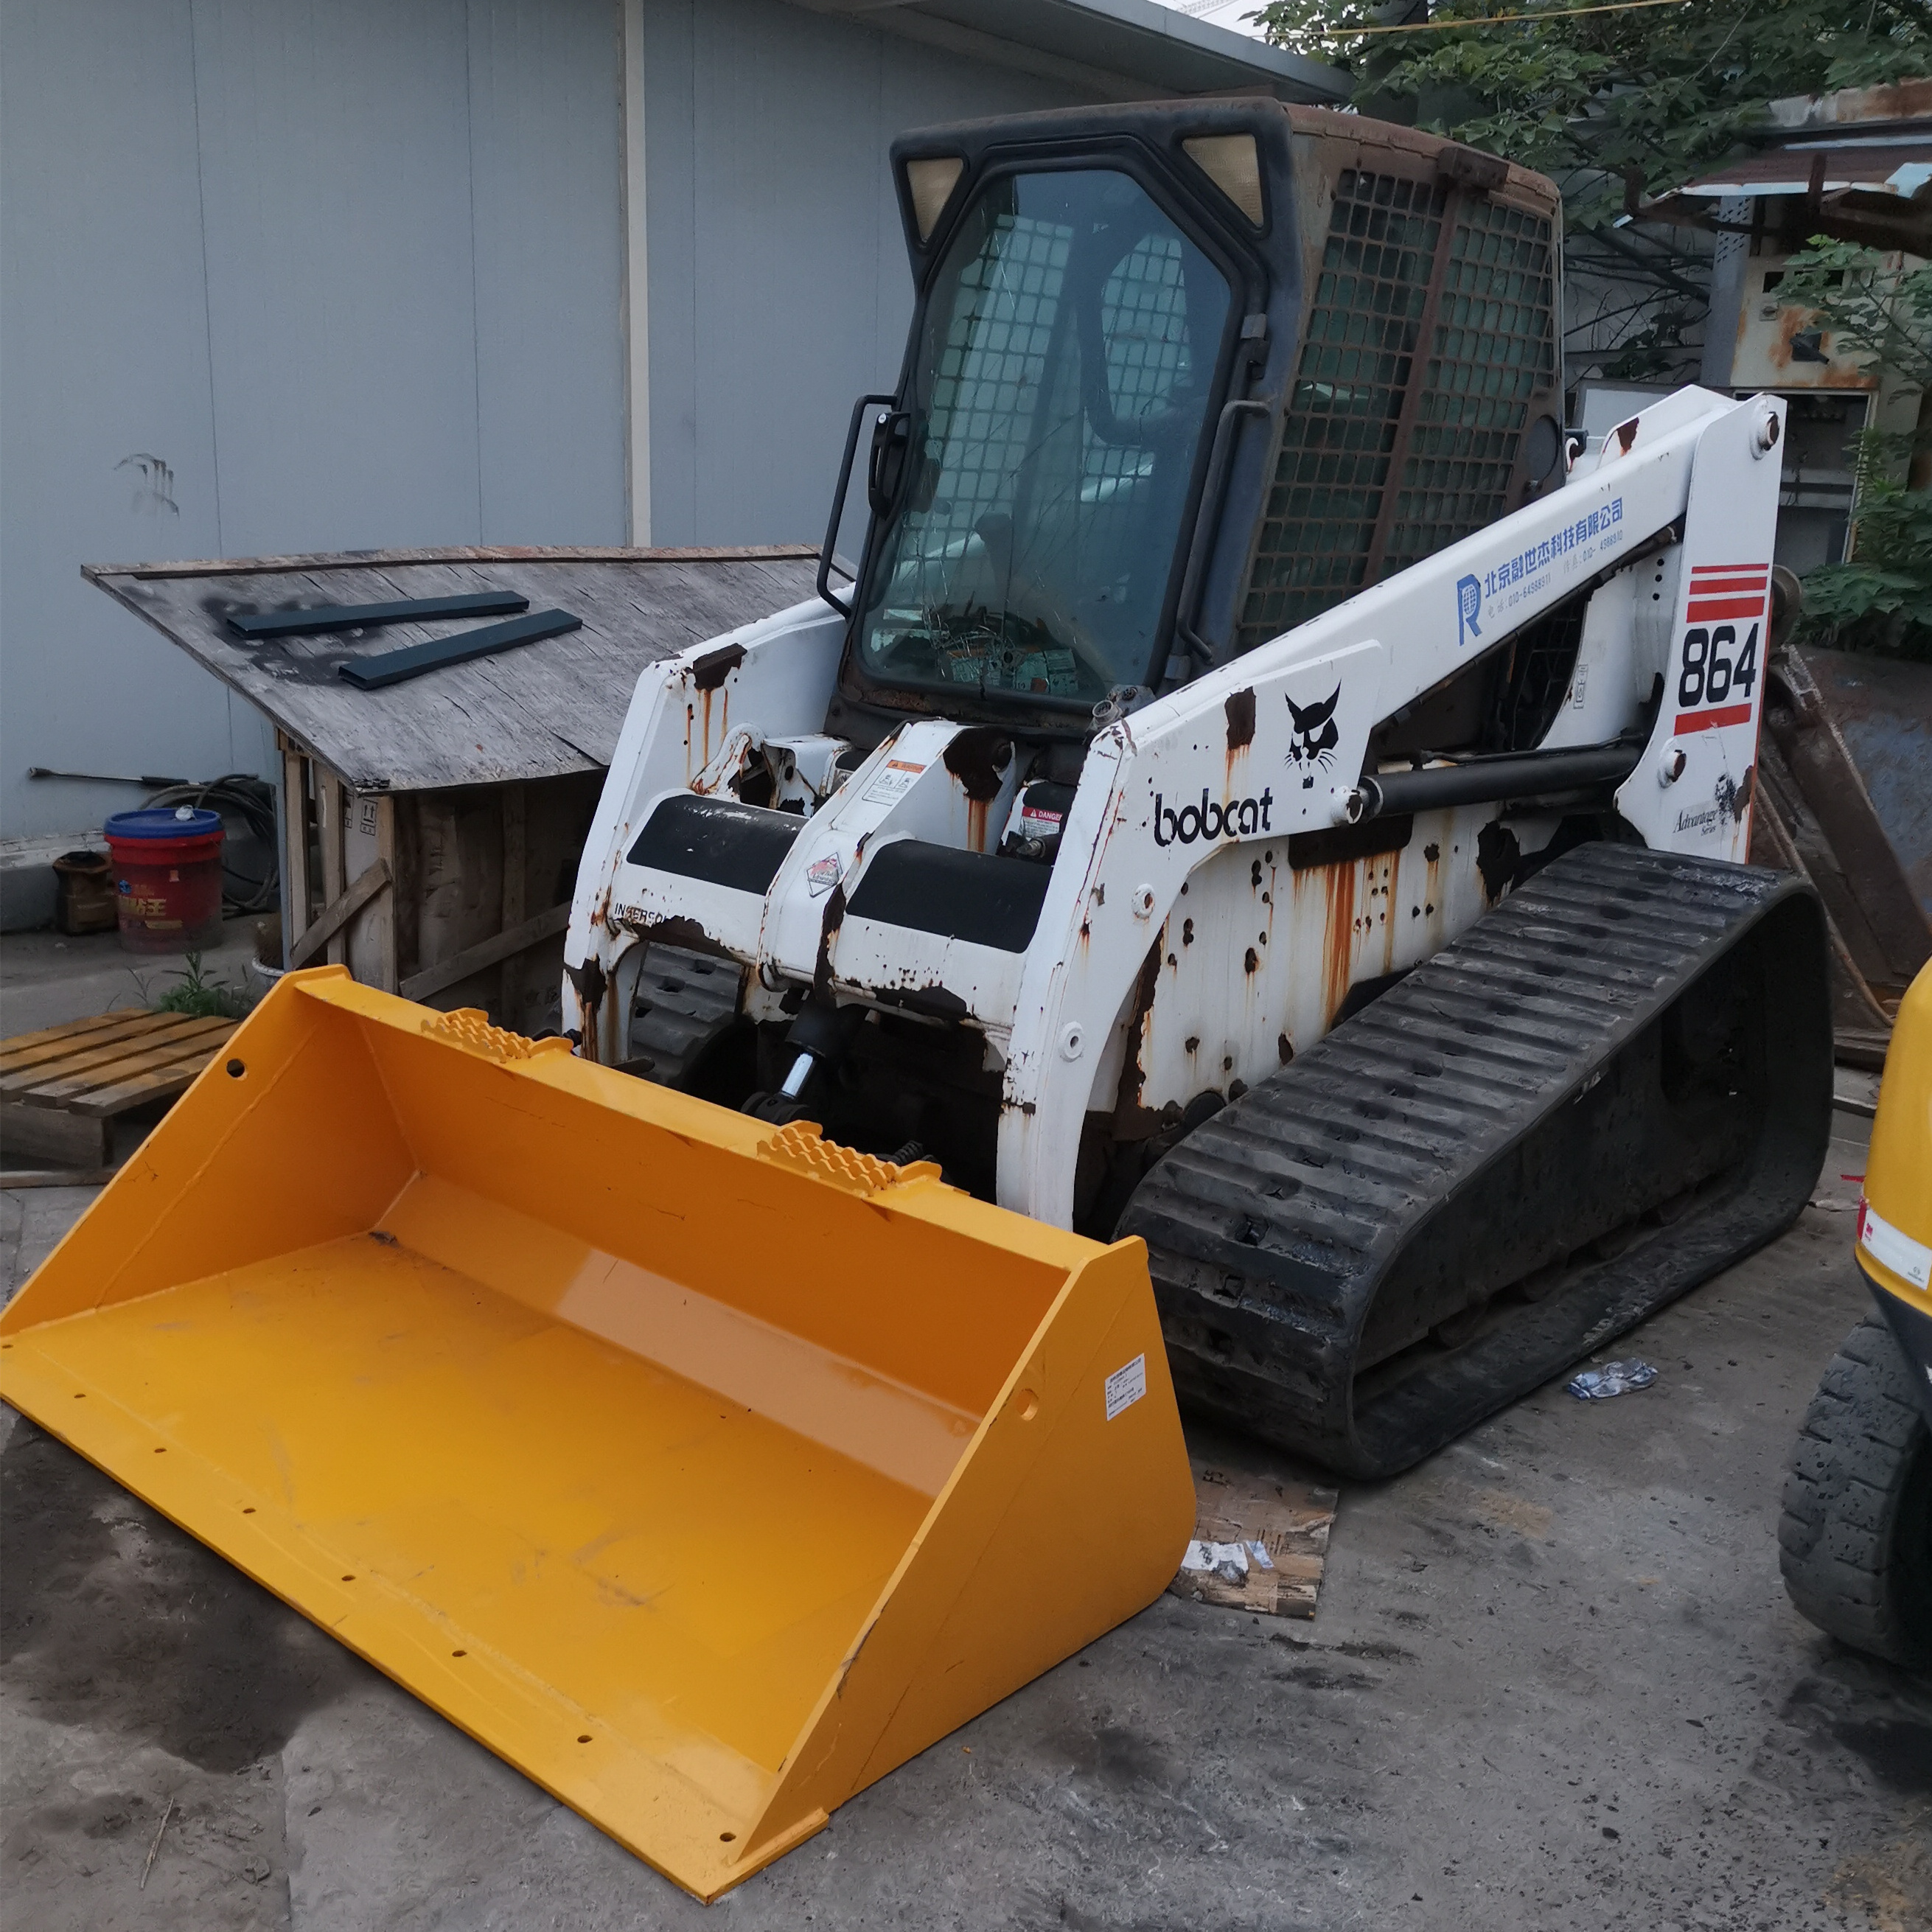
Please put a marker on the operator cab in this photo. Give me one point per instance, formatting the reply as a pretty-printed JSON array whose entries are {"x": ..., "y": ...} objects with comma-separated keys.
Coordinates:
[{"x": 1089, "y": 305}]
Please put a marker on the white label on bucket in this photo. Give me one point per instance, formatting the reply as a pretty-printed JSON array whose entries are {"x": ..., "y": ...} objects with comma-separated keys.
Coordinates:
[
  {"x": 1892, "y": 1247},
  {"x": 1125, "y": 1386}
]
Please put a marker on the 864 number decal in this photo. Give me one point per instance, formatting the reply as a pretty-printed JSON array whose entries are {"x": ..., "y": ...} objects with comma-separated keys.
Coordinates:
[{"x": 1715, "y": 667}]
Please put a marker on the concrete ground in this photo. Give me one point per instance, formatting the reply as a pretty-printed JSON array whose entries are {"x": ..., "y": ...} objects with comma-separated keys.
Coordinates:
[
  {"x": 1554, "y": 1683},
  {"x": 48, "y": 978}
]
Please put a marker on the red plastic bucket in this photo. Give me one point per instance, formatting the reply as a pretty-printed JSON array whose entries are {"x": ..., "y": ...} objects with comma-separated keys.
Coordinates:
[{"x": 167, "y": 878}]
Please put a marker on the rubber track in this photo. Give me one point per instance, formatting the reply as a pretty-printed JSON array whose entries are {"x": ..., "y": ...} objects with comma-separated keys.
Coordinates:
[{"x": 1272, "y": 1226}]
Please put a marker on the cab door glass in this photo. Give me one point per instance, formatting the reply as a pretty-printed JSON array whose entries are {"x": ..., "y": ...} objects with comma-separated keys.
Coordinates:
[{"x": 1060, "y": 394}]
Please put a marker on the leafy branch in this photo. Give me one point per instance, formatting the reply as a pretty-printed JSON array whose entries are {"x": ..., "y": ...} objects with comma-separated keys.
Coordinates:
[{"x": 1616, "y": 107}]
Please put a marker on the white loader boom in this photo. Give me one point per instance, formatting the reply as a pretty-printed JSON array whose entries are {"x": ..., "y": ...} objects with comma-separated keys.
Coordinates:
[{"x": 1672, "y": 520}]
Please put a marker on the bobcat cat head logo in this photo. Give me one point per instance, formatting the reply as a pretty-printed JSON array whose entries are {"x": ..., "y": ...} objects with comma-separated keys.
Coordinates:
[{"x": 1315, "y": 737}]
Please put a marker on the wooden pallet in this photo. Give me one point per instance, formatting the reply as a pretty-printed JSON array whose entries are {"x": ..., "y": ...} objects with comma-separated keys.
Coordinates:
[{"x": 61, "y": 1088}]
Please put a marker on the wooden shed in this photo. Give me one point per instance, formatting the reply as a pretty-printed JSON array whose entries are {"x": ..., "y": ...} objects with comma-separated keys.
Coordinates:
[{"x": 431, "y": 830}]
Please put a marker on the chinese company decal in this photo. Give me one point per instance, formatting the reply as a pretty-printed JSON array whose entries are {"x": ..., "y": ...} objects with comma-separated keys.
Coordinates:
[
  {"x": 1727, "y": 602},
  {"x": 1521, "y": 576},
  {"x": 1315, "y": 737}
]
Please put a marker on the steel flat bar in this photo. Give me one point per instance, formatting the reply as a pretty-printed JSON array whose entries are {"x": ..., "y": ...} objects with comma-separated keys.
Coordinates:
[
  {"x": 413, "y": 660},
  {"x": 300, "y": 623}
]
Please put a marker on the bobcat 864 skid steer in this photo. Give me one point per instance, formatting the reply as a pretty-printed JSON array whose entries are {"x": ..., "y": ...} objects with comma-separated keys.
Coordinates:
[
  {"x": 1260, "y": 793},
  {"x": 1261, "y": 796}
]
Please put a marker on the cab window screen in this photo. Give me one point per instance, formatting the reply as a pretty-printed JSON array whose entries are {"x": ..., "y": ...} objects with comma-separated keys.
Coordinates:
[{"x": 1060, "y": 395}]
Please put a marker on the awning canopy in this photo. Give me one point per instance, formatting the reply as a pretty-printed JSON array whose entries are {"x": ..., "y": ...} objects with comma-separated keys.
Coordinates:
[
  {"x": 1890, "y": 168},
  {"x": 1875, "y": 192}
]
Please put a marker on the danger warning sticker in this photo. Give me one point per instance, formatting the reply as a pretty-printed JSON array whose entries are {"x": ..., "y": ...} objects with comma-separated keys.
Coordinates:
[
  {"x": 1125, "y": 1386},
  {"x": 894, "y": 780}
]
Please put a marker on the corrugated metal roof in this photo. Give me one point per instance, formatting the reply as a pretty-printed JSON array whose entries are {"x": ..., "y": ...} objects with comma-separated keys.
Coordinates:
[{"x": 1900, "y": 167}]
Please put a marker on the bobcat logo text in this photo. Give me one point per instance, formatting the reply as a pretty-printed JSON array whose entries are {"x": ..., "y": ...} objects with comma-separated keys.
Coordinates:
[{"x": 1239, "y": 818}]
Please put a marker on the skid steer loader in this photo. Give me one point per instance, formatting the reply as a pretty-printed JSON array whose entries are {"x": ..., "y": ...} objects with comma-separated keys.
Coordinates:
[
  {"x": 1260, "y": 791},
  {"x": 1258, "y": 795}
]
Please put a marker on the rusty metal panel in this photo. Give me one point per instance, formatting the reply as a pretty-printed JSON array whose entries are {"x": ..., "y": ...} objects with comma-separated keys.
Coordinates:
[
  {"x": 1882, "y": 707},
  {"x": 1266, "y": 940}
]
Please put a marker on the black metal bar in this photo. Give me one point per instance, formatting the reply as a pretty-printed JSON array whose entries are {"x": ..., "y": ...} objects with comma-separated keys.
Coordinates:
[
  {"x": 859, "y": 409},
  {"x": 1490, "y": 780},
  {"x": 296, "y": 623},
  {"x": 1207, "y": 523},
  {"x": 147, "y": 781},
  {"x": 413, "y": 660}
]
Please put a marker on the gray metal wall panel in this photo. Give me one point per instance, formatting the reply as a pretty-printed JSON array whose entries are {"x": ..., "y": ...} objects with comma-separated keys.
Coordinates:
[
  {"x": 398, "y": 323},
  {"x": 779, "y": 286},
  {"x": 107, "y": 448},
  {"x": 670, "y": 197},
  {"x": 335, "y": 169},
  {"x": 546, "y": 138}
]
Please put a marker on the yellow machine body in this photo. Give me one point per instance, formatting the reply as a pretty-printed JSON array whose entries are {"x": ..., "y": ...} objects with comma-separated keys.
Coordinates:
[
  {"x": 703, "y": 1470},
  {"x": 1894, "y": 1238}
]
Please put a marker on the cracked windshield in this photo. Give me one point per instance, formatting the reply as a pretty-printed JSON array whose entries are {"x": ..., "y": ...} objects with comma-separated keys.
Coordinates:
[{"x": 1058, "y": 400}]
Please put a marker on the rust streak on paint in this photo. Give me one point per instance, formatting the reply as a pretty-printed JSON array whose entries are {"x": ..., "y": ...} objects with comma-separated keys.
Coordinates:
[
  {"x": 1338, "y": 937},
  {"x": 833, "y": 918},
  {"x": 977, "y": 758},
  {"x": 1240, "y": 710},
  {"x": 589, "y": 984},
  {"x": 1131, "y": 1120}
]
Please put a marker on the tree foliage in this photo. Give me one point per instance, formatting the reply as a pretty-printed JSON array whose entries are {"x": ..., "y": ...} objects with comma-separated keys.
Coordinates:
[
  {"x": 1880, "y": 598},
  {"x": 1635, "y": 100},
  {"x": 1615, "y": 106}
]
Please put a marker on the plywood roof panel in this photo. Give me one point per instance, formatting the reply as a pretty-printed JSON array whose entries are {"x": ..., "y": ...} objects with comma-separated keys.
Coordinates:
[{"x": 539, "y": 710}]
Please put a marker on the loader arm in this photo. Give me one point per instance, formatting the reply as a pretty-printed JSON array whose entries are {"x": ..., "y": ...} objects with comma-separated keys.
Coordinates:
[{"x": 1238, "y": 757}]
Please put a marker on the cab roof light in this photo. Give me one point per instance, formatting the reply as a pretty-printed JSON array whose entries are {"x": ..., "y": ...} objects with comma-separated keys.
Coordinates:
[
  {"x": 1233, "y": 162},
  {"x": 931, "y": 182}
]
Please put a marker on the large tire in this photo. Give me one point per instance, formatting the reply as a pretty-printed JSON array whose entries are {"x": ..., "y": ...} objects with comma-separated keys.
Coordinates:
[{"x": 1856, "y": 1538}]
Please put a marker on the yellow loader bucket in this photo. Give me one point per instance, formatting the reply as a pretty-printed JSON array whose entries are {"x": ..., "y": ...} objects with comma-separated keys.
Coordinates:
[{"x": 705, "y": 1470}]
